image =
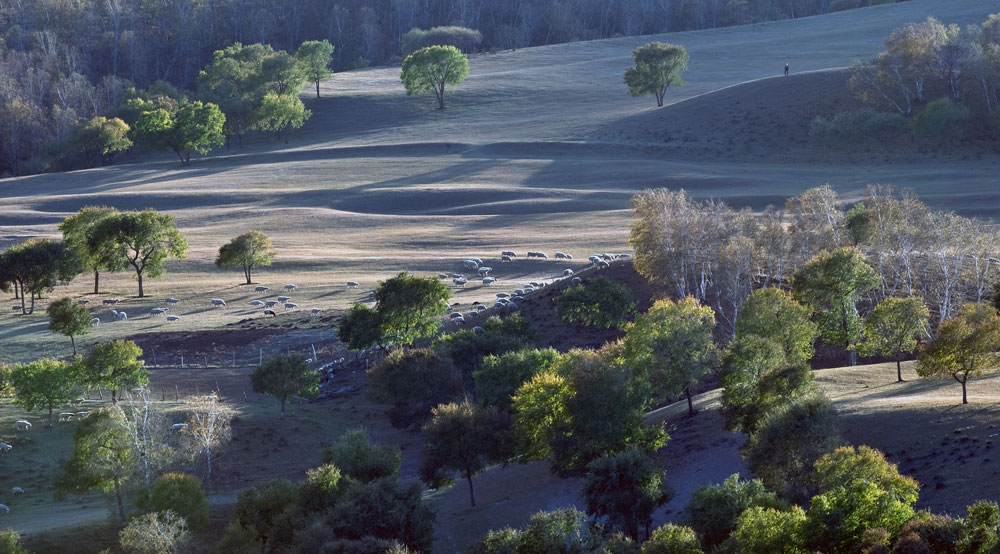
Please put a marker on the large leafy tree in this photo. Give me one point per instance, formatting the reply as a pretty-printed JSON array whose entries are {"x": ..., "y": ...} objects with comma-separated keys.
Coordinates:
[
  {"x": 624, "y": 489},
  {"x": 143, "y": 240},
  {"x": 102, "y": 457},
  {"x": 114, "y": 365},
  {"x": 360, "y": 327},
  {"x": 602, "y": 303},
  {"x": 358, "y": 458},
  {"x": 315, "y": 55},
  {"x": 672, "y": 345},
  {"x": 414, "y": 382},
  {"x": 284, "y": 377},
  {"x": 247, "y": 251},
  {"x": 101, "y": 138},
  {"x": 892, "y": 329},
  {"x": 433, "y": 69},
  {"x": 179, "y": 492},
  {"x": 35, "y": 266},
  {"x": 43, "y": 384},
  {"x": 197, "y": 128},
  {"x": 69, "y": 318},
  {"x": 713, "y": 509},
  {"x": 230, "y": 81},
  {"x": 773, "y": 314},
  {"x": 409, "y": 307},
  {"x": 831, "y": 283},
  {"x": 101, "y": 256},
  {"x": 465, "y": 438},
  {"x": 279, "y": 112},
  {"x": 748, "y": 399},
  {"x": 964, "y": 346},
  {"x": 502, "y": 375},
  {"x": 657, "y": 66}
]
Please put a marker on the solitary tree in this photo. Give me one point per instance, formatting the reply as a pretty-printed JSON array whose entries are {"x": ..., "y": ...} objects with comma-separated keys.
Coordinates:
[
  {"x": 43, "y": 384},
  {"x": 114, "y": 365},
  {"x": 831, "y": 283},
  {"x": 625, "y": 489},
  {"x": 284, "y": 377},
  {"x": 410, "y": 307},
  {"x": 35, "y": 266},
  {"x": 359, "y": 458},
  {"x": 964, "y": 345},
  {"x": 462, "y": 437},
  {"x": 101, "y": 138},
  {"x": 101, "y": 256},
  {"x": 892, "y": 329},
  {"x": 672, "y": 344},
  {"x": 179, "y": 492},
  {"x": 248, "y": 250},
  {"x": 657, "y": 66},
  {"x": 434, "y": 68},
  {"x": 602, "y": 303},
  {"x": 102, "y": 458},
  {"x": 69, "y": 318},
  {"x": 208, "y": 428},
  {"x": 163, "y": 532},
  {"x": 197, "y": 128},
  {"x": 315, "y": 55},
  {"x": 143, "y": 240}
]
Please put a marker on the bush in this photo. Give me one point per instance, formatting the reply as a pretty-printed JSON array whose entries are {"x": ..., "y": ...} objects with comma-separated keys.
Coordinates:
[
  {"x": 928, "y": 532},
  {"x": 467, "y": 348},
  {"x": 865, "y": 126},
  {"x": 713, "y": 510},
  {"x": 383, "y": 509},
  {"x": 414, "y": 382},
  {"x": 672, "y": 539},
  {"x": 178, "y": 492},
  {"x": 747, "y": 402},
  {"x": 502, "y": 375},
  {"x": 942, "y": 120},
  {"x": 601, "y": 303},
  {"x": 624, "y": 489},
  {"x": 10, "y": 543},
  {"x": 762, "y": 530},
  {"x": 466, "y": 40},
  {"x": 357, "y": 457},
  {"x": 155, "y": 533}
]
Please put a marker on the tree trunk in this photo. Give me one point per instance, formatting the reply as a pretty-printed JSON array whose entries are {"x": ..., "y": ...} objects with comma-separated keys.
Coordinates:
[
  {"x": 317, "y": 89},
  {"x": 440, "y": 95},
  {"x": 73, "y": 342},
  {"x": 472, "y": 496},
  {"x": 97, "y": 280},
  {"x": 23, "y": 309},
  {"x": 114, "y": 395},
  {"x": 246, "y": 273},
  {"x": 118, "y": 496},
  {"x": 138, "y": 275},
  {"x": 899, "y": 371},
  {"x": 687, "y": 392},
  {"x": 50, "y": 415},
  {"x": 965, "y": 398},
  {"x": 282, "y": 408},
  {"x": 32, "y": 310}
]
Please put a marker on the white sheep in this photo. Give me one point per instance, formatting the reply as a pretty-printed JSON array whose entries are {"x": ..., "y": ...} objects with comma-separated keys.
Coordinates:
[
  {"x": 528, "y": 289},
  {"x": 270, "y": 303},
  {"x": 178, "y": 426},
  {"x": 172, "y": 300},
  {"x": 290, "y": 286},
  {"x": 22, "y": 425},
  {"x": 481, "y": 308},
  {"x": 594, "y": 259},
  {"x": 603, "y": 264},
  {"x": 442, "y": 275},
  {"x": 577, "y": 281},
  {"x": 508, "y": 253},
  {"x": 4, "y": 508},
  {"x": 518, "y": 292},
  {"x": 16, "y": 491},
  {"x": 459, "y": 320},
  {"x": 173, "y": 318},
  {"x": 560, "y": 255},
  {"x": 95, "y": 322},
  {"x": 4, "y": 447},
  {"x": 484, "y": 271},
  {"x": 82, "y": 415},
  {"x": 453, "y": 315},
  {"x": 512, "y": 305},
  {"x": 122, "y": 316},
  {"x": 541, "y": 255},
  {"x": 157, "y": 311},
  {"x": 270, "y": 312},
  {"x": 502, "y": 295},
  {"x": 470, "y": 264},
  {"x": 114, "y": 313},
  {"x": 289, "y": 305},
  {"x": 261, "y": 288},
  {"x": 66, "y": 416},
  {"x": 453, "y": 275},
  {"x": 567, "y": 272},
  {"x": 506, "y": 259},
  {"x": 218, "y": 302},
  {"x": 353, "y": 284},
  {"x": 460, "y": 281},
  {"x": 488, "y": 280},
  {"x": 516, "y": 298},
  {"x": 256, "y": 303},
  {"x": 472, "y": 314},
  {"x": 83, "y": 301},
  {"x": 315, "y": 311},
  {"x": 111, "y": 301},
  {"x": 284, "y": 298}
]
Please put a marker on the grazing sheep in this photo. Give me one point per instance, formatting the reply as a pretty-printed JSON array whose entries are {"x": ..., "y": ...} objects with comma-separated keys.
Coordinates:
[
  {"x": 442, "y": 275},
  {"x": 516, "y": 298},
  {"x": 508, "y": 253},
  {"x": 541, "y": 255},
  {"x": 459, "y": 320},
  {"x": 95, "y": 322},
  {"x": 4, "y": 447},
  {"x": 607, "y": 257},
  {"x": 66, "y": 416},
  {"x": 353, "y": 284},
  {"x": 111, "y": 301},
  {"x": 561, "y": 255},
  {"x": 511, "y": 306},
  {"x": 178, "y": 426},
  {"x": 518, "y": 292},
  {"x": 218, "y": 302},
  {"x": 477, "y": 329},
  {"x": 270, "y": 312},
  {"x": 470, "y": 264},
  {"x": 16, "y": 491},
  {"x": 261, "y": 288},
  {"x": 315, "y": 311},
  {"x": 256, "y": 303},
  {"x": 82, "y": 415},
  {"x": 569, "y": 256},
  {"x": 284, "y": 298},
  {"x": 567, "y": 272},
  {"x": 114, "y": 313},
  {"x": 498, "y": 304},
  {"x": 594, "y": 259},
  {"x": 22, "y": 425},
  {"x": 460, "y": 282},
  {"x": 83, "y": 301},
  {"x": 502, "y": 295},
  {"x": 453, "y": 315},
  {"x": 481, "y": 308},
  {"x": 4, "y": 508},
  {"x": 488, "y": 280},
  {"x": 122, "y": 316},
  {"x": 173, "y": 318},
  {"x": 270, "y": 303},
  {"x": 624, "y": 256},
  {"x": 506, "y": 259},
  {"x": 529, "y": 289},
  {"x": 157, "y": 311},
  {"x": 290, "y": 286},
  {"x": 472, "y": 314},
  {"x": 289, "y": 305},
  {"x": 483, "y": 271},
  {"x": 603, "y": 264},
  {"x": 576, "y": 281},
  {"x": 172, "y": 300},
  {"x": 457, "y": 275}
]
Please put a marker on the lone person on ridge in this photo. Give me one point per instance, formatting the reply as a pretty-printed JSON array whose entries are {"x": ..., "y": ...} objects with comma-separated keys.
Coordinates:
[{"x": 786, "y": 70}]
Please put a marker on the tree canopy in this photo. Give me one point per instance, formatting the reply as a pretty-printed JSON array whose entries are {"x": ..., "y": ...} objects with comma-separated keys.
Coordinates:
[
  {"x": 247, "y": 251},
  {"x": 101, "y": 138},
  {"x": 114, "y": 365},
  {"x": 315, "y": 57},
  {"x": 409, "y": 307},
  {"x": 434, "y": 69},
  {"x": 100, "y": 256},
  {"x": 774, "y": 314},
  {"x": 657, "y": 66},
  {"x": 624, "y": 489},
  {"x": 35, "y": 266},
  {"x": 285, "y": 376},
  {"x": 601, "y": 303},
  {"x": 965, "y": 345},
  {"x": 43, "y": 384},
  {"x": 143, "y": 240},
  {"x": 68, "y": 317},
  {"x": 893, "y": 329},
  {"x": 194, "y": 127}
]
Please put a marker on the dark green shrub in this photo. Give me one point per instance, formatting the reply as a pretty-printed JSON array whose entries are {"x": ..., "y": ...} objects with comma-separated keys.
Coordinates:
[{"x": 601, "y": 303}]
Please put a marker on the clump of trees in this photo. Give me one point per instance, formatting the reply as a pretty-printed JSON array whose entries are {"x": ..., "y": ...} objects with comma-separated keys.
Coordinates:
[
  {"x": 34, "y": 267},
  {"x": 465, "y": 39}
]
